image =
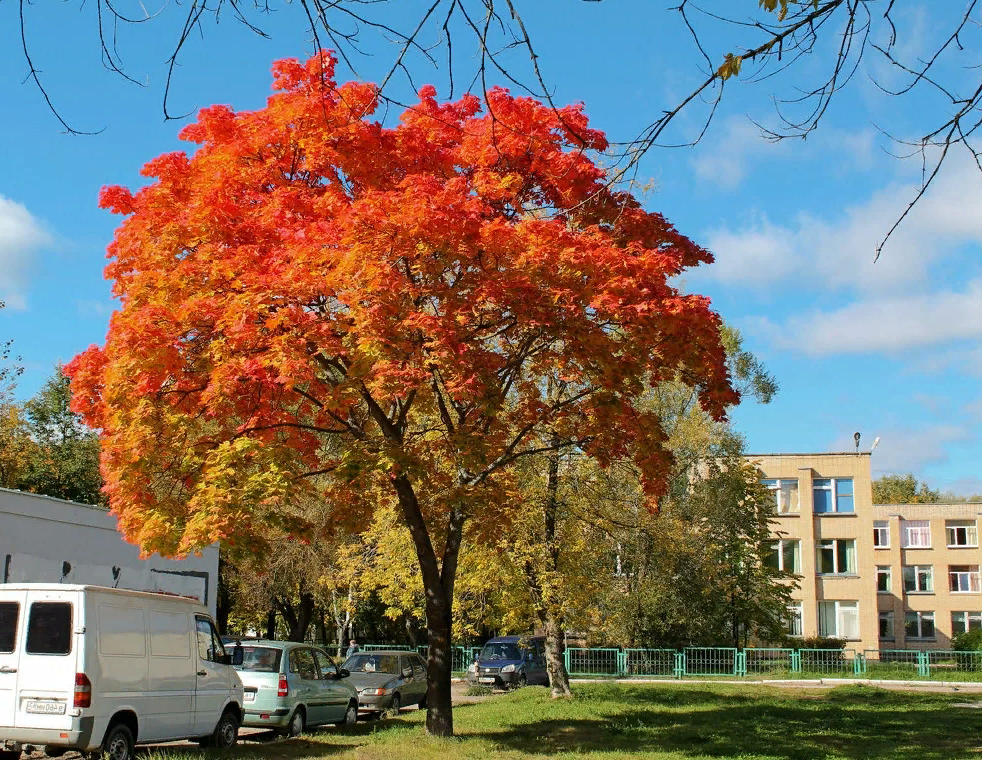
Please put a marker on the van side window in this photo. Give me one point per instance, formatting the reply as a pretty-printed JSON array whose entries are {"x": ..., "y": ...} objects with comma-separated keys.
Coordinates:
[
  {"x": 49, "y": 628},
  {"x": 9, "y": 614},
  {"x": 210, "y": 645}
]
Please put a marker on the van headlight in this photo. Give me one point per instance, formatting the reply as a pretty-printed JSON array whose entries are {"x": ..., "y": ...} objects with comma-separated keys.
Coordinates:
[
  {"x": 472, "y": 668},
  {"x": 508, "y": 669}
]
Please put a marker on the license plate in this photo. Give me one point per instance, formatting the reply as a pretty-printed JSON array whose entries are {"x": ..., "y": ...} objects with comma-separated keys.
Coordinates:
[
  {"x": 249, "y": 696},
  {"x": 45, "y": 708},
  {"x": 486, "y": 680}
]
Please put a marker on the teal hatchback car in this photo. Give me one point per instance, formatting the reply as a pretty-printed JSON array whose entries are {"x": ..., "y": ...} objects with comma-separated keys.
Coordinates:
[{"x": 289, "y": 687}]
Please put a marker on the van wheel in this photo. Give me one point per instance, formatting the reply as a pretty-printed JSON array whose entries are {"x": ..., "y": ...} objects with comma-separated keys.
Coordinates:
[
  {"x": 226, "y": 732},
  {"x": 118, "y": 744},
  {"x": 297, "y": 723},
  {"x": 9, "y": 754},
  {"x": 350, "y": 715},
  {"x": 55, "y": 751},
  {"x": 522, "y": 681}
]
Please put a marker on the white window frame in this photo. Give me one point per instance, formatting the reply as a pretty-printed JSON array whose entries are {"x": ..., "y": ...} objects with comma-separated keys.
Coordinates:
[
  {"x": 794, "y": 620},
  {"x": 881, "y": 534},
  {"x": 887, "y": 572},
  {"x": 891, "y": 619},
  {"x": 919, "y": 531},
  {"x": 838, "y": 549},
  {"x": 970, "y": 529},
  {"x": 832, "y": 485},
  {"x": 782, "y": 549},
  {"x": 965, "y": 624},
  {"x": 916, "y": 572},
  {"x": 967, "y": 581},
  {"x": 920, "y": 617},
  {"x": 781, "y": 489},
  {"x": 845, "y": 614}
]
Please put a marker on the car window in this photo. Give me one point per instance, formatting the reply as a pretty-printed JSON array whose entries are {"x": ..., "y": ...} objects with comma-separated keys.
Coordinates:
[
  {"x": 210, "y": 647},
  {"x": 419, "y": 669},
  {"x": 325, "y": 666},
  {"x": 373, "y": 663},
  {"x": 260, "y": 659},
  {"x": 302, "y": 663},
  {"x": 9, "y": 614}
]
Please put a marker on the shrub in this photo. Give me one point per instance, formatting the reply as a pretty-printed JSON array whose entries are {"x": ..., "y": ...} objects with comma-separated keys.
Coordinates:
[
  {"x": 820, "y": 642},
  {"x": 478, "y": 690},
  {"x": 970, "y": 641}
]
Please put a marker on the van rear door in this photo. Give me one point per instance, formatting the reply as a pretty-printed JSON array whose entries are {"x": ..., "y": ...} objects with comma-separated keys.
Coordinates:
[
  {"x": 11, "y": 615},
  {"x": 49, "y": 652}
]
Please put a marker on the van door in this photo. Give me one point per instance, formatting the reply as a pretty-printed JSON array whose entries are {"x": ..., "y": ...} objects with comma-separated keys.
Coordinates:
[
  {"x": 46, "y": 673},
  {"x": 11, "y": 614},
  {"x": 212, "y": 677}
]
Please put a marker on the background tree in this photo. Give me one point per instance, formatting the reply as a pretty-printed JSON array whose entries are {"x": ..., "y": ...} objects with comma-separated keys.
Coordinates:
[
  {"x": 309, "y": 276},
  {"x": 64, "y": 455},
  {"x": 903, "y": 489}
]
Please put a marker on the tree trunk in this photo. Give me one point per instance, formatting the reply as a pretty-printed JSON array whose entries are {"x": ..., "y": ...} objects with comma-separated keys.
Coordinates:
[
  {"x": 555, "y": 662},
  {"x": 271, "y": 624},
  {"x": 438, "y": 587}
]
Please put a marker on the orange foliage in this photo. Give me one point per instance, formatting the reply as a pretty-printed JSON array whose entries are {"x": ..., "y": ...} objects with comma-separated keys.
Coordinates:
[{"x": 309, "y": 276}]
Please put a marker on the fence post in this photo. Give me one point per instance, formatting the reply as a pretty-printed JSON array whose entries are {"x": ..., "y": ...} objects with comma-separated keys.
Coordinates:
[
  {"x": 923, "y": 664},
  {"x": 566, "y": 660},
  {"x": 679, "y": 664},
  {"x": 796, "y": 661},
  {"x": 858, "y": 666},
  {"x": 740, "y": 664},
  {"x": 622, "y": 663}
]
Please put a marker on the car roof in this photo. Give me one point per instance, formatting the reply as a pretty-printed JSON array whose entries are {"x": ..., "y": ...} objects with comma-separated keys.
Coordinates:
[
  {"x": 274, "y": 644},
  {"x": 386, "y": 651}
]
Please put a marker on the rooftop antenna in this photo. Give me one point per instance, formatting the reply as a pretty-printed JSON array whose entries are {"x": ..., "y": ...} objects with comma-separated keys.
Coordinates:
[{"x": 856, "y": 437}]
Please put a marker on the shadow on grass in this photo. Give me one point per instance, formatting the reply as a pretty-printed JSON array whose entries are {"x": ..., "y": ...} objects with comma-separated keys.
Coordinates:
[{"x": 858, "y": 723}]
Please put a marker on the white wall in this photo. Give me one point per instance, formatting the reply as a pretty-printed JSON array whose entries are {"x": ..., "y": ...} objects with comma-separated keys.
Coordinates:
[{"x": 38, "y": 535}]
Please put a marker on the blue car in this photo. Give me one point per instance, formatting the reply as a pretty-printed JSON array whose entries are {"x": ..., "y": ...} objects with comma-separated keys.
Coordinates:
[{"x": 508, "y": 662}]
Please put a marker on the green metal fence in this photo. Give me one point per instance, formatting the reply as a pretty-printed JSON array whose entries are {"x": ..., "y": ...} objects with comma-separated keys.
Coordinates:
[
  {"x": 752, "y": 662},
  {"x": 649, "y": 662}
]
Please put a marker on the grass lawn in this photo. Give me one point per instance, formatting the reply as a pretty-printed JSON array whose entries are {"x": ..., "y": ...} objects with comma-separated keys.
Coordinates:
[{"x": 667, "y": 721}]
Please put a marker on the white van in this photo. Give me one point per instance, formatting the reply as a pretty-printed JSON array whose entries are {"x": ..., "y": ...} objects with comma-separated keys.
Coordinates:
[{"x": 102, "y": 669}]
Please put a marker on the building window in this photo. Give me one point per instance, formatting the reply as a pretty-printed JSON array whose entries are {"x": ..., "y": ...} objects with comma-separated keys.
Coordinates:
[
  {"x": 794, "y": 620},
  {"x": 881, "y": 534},
  {"x": 838, "y": 619},
  {"x": 833, "y": 495},
  {"x": 785, "y": 494},
  {"x": 919, "y": 625},
  {"x": 886, "y": 624},
  {"x": 835, "y": 556},
  {"x": 883, "y": 584},
  {"x": 961, "y": 533},
  {"x": 916, "y": 534},
  {"x": 964, "y": 579},
  {"x": 918, "y": 579},
  {"x": 963, "y": 622},
  {"x": 785, "y": 555}
]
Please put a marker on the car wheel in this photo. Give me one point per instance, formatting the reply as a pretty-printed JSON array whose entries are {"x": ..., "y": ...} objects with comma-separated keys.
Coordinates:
[
  {"x": 350, "y": 715},
  {"x": 396, "y": 705},
  {"x": 118, "y": 744},
  {"x": 422, "y": 702},
  {"x": 297, "y": 723},
  {"x": 226, "y": 732},
  {"x": 521, "y": 682}
]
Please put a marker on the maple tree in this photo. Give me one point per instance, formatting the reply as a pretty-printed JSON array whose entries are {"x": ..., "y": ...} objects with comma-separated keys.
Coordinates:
[{"x": 316, "y": 302}]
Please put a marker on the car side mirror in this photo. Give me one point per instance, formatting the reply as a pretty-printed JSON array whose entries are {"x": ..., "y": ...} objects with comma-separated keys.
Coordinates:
[
  {"x": 344, "y": 672},
  {"x": 237, "y": 655}
]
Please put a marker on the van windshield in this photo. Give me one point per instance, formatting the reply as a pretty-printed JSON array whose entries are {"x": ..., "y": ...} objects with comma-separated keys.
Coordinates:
[
  {"x": 260, "y": 659},
  {"x": 500, "y": 652}
]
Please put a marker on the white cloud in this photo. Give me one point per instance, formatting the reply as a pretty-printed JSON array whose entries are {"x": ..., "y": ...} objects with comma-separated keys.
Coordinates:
[
  {"x": 21, "y": 235},
  {"x": 723, "y": 161},
  {"x": 837, "y": 252},
  {"x": 891, "y": 324}
]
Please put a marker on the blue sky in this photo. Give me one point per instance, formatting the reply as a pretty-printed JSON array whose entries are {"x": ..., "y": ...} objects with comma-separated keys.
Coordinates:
[{"x": 891, "y": 350}]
